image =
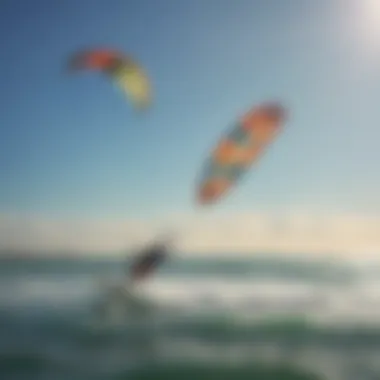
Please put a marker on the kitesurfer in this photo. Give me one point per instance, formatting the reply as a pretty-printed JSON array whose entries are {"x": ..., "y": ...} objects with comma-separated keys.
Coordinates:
[
  {"x": 125, "y": 296},
  {"x": 148, "y": 260}
]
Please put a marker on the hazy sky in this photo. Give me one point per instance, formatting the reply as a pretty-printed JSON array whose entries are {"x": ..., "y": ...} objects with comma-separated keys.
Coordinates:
[{"x": 71, "y": 146}]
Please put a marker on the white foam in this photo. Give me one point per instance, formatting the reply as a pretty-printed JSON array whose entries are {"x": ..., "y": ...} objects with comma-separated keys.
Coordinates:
[
  {"x": 328, "y": 363},
  {"x": 357, "y": 302}
]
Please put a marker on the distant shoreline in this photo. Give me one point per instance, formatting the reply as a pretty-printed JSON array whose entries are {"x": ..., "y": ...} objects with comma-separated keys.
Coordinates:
[
  {"x": 24, "y": 255},
  {"x": 18, "y": 255}
]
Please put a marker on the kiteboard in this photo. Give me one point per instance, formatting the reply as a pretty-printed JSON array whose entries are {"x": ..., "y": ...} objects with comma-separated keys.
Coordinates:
[{"x": 120, "y": 303}]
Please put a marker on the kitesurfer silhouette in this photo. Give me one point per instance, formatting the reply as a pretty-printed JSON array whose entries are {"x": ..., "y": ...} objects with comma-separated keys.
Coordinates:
[
  {"x": 149, "y": 259},
  {"x": 143, "y": 265}
]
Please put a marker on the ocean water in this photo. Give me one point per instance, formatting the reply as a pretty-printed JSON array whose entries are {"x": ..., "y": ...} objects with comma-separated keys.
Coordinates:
[{"x": 262, "y": 318}]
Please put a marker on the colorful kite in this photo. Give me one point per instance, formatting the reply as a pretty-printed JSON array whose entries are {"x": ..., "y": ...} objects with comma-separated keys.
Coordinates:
[
  {"x": 127, "y": 74},
  {"x": 238, "y": 150}
]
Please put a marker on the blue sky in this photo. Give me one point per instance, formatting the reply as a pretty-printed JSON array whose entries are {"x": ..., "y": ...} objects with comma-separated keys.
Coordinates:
[{"x": 72, "y": 145}]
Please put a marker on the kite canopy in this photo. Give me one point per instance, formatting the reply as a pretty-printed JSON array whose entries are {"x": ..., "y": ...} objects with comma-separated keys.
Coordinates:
[
  {"x": 127, "y": 74},
  {"x": 238, "y": 150}
]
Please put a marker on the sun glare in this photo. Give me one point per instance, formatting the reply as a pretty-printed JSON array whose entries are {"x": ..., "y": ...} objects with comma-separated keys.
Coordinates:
[{"x": 368, "y": 13}]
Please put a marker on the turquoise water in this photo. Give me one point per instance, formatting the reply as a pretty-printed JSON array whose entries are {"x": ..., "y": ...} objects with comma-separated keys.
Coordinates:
[{"x": 209, "y": 319}]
